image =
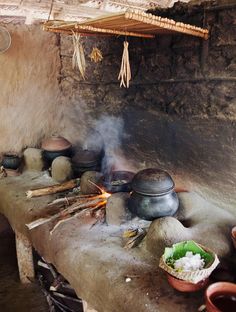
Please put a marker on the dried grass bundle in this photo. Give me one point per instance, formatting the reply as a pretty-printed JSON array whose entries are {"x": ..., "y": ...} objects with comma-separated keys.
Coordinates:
[
  {"x": 125, "y": 71},
  {"x": 96, "y": 55},
  {"x": 78, "y": 59}
]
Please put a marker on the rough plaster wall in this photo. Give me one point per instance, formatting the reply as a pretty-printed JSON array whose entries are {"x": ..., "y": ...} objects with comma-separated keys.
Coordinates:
[
  {"x": 179, "y": 111},
  {"x": 29, "y": 102}
]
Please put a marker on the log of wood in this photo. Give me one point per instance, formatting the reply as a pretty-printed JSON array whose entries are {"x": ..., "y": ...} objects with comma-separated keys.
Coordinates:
[
  {"x": 64, "y": 213},
  {"x": 66, "y": 201},
  {"x": 53, "y": 189}
]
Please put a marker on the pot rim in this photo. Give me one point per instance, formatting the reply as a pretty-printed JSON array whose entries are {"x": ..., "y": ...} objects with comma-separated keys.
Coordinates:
[{"x": 219, "y": 288}]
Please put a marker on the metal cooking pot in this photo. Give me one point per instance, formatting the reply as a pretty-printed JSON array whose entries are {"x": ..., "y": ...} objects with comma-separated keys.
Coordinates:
[{"x": 153, "y": 195}]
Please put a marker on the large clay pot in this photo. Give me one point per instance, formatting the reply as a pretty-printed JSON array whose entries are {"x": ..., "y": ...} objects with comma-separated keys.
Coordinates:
[
  {"x": 54, "y": 147},
  {"x": 153, "y": 195},
  {"x": 217, "y": 291}
]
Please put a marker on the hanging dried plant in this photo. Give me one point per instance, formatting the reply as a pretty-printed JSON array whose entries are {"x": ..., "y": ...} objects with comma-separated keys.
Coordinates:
[
  {"x": 78, "y": 59},
  {"x": 96, "y": 55},
  {"x": 125, "y": 71}
]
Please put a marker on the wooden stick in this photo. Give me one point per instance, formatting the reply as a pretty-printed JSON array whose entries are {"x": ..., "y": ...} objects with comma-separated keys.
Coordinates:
[
  {"x": 53, "y": 189},
  {"x": 69, "y": 217},
  {"x": 63, "y": 213}
]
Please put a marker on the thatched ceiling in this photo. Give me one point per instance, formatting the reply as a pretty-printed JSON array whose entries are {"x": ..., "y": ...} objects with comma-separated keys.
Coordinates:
[{"x": 31, "y": 11}]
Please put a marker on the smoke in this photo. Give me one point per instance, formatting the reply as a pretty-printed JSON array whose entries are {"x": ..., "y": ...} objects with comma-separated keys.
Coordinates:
[{"x": 110, "y": 129}]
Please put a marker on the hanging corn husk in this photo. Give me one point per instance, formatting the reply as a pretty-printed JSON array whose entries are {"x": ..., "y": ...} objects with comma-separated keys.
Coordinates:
[
  {"x": 125, "y": 71},
  {"x": 78, "y": 59},
  {"x": 96, "y": 55}
]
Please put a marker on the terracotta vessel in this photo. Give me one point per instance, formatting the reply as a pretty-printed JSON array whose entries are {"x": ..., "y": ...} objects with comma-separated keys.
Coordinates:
[
  {"x": 55, "y": 143},
  {"x": 185, "y": 286},
  {"x": 220, "y": 289},
  {"x": 233, "y": 235},
  {"x": 54, "y": 147}
]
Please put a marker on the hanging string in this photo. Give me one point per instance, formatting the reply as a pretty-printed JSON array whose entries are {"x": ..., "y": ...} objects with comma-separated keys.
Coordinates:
[{"x": 50, "y": 11}]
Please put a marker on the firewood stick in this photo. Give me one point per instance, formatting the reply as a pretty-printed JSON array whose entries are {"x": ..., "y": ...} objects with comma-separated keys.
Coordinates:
[
  {"x": 69, "y": 217},
  {"x": 60, "y": 202},
  {"x": 53, "y": 189},
  {"x": 65, "y": 212}
]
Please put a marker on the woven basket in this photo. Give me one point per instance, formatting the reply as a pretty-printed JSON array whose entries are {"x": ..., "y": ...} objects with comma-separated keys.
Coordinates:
[{"x": 194, "y": 276}]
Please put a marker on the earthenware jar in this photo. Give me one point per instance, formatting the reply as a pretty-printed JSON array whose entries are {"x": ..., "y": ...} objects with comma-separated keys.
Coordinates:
[
  {"x": 153, "y": 194},
  {"x": 54, "y": 147},
  {"x": 11, "y": 161},
  {"x": 86, "y": 160},
  {"x": 221, "y": 297},
  {"x": 185, "y": 286}
]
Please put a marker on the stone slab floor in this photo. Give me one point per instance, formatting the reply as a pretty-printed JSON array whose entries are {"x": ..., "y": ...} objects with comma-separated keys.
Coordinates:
[{"x": 15, "y": 297}]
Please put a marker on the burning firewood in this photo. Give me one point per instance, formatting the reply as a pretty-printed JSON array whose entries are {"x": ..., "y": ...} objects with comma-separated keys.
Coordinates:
[{"x": 53, "y": 189}]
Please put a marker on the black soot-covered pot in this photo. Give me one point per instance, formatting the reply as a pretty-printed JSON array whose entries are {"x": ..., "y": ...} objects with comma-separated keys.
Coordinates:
[{"x": 153, "y": 194}]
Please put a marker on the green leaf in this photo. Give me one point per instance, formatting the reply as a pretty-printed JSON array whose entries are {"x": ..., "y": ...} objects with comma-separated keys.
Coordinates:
[{"x": 179, "y": 250}]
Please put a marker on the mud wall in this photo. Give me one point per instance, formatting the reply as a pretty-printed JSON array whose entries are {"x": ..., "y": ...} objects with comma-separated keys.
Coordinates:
[
  {"x": 180, "y": 110},
  {"x": 29, "y": 101}
]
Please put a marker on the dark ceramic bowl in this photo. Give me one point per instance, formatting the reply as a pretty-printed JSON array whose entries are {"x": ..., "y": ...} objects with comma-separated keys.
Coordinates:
[
  {"x": 185, "y": 286},
  {"x": 109, "y": 183},
  {"x": 11, "y": 161}
]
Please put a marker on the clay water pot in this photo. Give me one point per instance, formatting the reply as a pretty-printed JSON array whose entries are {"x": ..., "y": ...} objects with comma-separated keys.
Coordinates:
[
  {"x": 153, "y": 195},
  {"x": 11, "y": 161},
  {"x": 185, "y": 286},
  {"x": 220, "y": 291},
  {"x": 54, "y": 147}
]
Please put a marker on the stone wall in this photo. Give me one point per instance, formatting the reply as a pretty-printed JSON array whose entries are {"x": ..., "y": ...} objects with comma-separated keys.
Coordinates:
[{"x": 180, "y": 110}]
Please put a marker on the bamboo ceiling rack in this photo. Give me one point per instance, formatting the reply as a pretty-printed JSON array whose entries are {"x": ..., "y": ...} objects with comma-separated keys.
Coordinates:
[{"x": 131, "y": 23}]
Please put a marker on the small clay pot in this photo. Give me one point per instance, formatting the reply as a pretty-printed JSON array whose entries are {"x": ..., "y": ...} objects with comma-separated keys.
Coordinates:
[
  {"x": 185, "y": 286},
  {"x": 219, "y": 289},
  {"x": 233, "y": 236},
  {"x": 11, "y": 161}
]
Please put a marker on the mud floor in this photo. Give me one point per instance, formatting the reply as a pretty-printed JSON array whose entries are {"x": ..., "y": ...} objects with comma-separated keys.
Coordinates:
[{"x": 15, "y": 297}]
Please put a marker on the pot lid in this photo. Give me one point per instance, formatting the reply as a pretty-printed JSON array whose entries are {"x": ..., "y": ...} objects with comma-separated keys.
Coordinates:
[
  {"x": 86, "y": 158},
  {"x": 152, "y": 181},
  {"x": 55, "y": 143}
]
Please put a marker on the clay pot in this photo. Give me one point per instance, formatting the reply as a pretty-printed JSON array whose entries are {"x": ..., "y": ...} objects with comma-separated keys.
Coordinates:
[
  {"x": 86, "y": 160},
  {"x": 220, "y": 289},
  {"x": 109, "y": 181},
  {"x": 55, "y": 143},
  {"x": 152, "y": 182},
  {"x": 54, "y": 147},
  {"x": 185, "y": 286},
  {"x": 153, "y": 195},
  {"x": 233, "y": 236},
  {"x": 11, "y": 161}
]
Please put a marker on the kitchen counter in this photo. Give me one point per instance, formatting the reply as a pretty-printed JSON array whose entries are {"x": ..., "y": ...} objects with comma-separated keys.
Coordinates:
[{"x": 91, "y": 258}]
